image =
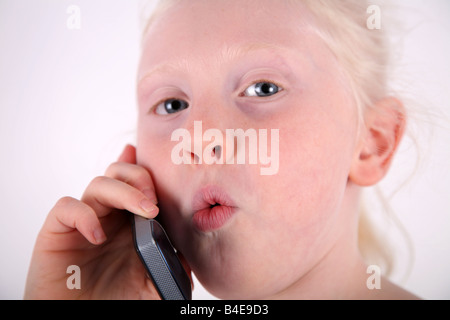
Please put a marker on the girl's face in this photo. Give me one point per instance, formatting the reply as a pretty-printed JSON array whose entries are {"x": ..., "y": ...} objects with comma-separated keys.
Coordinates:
[{"x": 247, "y": 65}]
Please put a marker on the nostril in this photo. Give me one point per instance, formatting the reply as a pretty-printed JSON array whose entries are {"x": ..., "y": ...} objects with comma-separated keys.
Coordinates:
[
  {"x": 191, "y": 157},
  {"x": 194, "y": 158},
  {"x": 216, "y": 152}
]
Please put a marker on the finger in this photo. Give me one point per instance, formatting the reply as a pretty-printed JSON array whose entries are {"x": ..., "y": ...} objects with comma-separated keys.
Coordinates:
[
  {"x": 128, "y": 154},
  {"x": 135, "y": 176},
  {"x": 69, "y": 214},
  {"x": 104, "y": 194}
]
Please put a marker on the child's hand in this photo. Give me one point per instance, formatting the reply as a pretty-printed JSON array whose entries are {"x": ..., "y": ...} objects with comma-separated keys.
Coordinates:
[{"x": 95, "y": 235}]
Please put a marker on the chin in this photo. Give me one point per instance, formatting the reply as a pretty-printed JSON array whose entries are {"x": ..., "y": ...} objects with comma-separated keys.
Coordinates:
[{"x": 234, "y": 279}]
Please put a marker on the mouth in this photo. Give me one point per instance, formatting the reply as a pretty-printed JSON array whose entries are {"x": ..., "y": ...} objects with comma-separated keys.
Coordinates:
[{"x": 213, "y": 208}]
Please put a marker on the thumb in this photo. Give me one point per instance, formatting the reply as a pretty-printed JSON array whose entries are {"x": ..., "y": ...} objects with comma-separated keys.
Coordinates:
[{"x": 128, "y": 154}]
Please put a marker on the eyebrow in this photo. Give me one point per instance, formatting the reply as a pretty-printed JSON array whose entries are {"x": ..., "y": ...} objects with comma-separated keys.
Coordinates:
[{"x": 227, "y": 53}]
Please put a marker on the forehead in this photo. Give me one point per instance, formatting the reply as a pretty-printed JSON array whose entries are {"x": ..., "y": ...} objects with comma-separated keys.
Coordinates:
[{"x": 198, "y": 28}]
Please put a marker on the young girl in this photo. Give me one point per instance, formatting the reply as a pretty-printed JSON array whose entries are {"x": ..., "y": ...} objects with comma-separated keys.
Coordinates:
[{"x": 308, "y": 78}]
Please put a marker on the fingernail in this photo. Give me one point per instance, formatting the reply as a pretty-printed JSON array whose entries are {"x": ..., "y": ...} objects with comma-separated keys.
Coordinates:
[
  {"x": 150, "y": 193},
  {"x": 148, "y": 206},
  {"x": 99, "y": 236}
]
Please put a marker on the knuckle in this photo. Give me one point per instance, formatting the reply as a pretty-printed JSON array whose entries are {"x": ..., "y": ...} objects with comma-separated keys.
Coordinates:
[
  {"x": 65, "y": 202},
  {"x": 131, "y": 174},
  {"x": 112, "y": 169},
  {"x": 94, "y": 186},
  {"x": 98, "y": 180},
  {"x": 144, "y": 175}
]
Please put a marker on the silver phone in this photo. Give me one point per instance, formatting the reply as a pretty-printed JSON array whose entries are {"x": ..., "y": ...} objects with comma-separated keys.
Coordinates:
[{"x": 160, "y": 259}]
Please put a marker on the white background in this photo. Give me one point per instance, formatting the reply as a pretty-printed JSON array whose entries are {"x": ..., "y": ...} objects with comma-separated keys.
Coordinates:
[{"x": 67, "y": 108}]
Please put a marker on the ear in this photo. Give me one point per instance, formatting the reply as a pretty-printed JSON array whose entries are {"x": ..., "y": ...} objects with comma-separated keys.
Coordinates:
[{"x": 385, "y": 124}]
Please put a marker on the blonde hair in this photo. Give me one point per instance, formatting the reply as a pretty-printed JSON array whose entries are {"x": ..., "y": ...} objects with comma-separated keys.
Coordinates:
[{"x": 365, "y": 59}]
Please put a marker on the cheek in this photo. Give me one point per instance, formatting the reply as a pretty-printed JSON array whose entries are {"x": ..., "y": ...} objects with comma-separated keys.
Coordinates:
[
  {"x": 153, "y": 152},
  {"x": 150, "y": 152},
  {"x": 315, "y": 158},
  {"x": 153, "y": 141},
  {"x": 301, "y": 204}
]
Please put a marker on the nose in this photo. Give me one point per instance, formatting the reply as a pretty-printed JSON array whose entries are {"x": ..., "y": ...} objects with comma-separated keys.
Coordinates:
[
  {"x": 206, "y": 122},
  {"x": 204, "y": 147},
  {"x": 209, "y": 156}
]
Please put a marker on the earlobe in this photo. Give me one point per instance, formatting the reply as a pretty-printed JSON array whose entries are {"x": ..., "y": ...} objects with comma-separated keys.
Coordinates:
[{"x": 385, "y": 124}]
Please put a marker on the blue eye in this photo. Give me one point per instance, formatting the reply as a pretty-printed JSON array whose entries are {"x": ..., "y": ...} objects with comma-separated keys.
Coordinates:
[
  {"x": 171, "y": 106},
  {"x": 262, "y": 89}
]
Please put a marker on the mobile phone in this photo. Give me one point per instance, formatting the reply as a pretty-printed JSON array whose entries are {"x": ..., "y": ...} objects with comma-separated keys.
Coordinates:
[{"x": 160, "y": 259}]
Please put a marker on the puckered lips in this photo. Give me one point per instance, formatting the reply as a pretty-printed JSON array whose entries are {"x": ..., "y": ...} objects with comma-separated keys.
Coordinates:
[{"x": 212, "y": 208}]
